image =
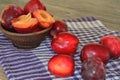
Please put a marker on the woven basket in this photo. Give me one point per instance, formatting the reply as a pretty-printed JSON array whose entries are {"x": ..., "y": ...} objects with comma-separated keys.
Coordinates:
[{"x": 26, "y": 41}]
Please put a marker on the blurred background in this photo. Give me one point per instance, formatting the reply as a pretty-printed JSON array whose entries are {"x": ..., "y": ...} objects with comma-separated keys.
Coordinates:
[{"x": 108, "y": 11}]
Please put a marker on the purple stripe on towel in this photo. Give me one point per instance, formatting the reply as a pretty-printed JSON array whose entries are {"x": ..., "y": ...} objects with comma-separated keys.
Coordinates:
[{"x": 21, "y": 64}]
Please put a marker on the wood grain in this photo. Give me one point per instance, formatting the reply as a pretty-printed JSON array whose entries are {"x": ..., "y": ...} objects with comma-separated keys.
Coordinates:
[{"x": 108, "y": 11}]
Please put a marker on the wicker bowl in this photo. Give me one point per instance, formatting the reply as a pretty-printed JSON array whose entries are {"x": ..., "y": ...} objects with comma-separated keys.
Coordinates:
[{"x": 26, "y": 41}]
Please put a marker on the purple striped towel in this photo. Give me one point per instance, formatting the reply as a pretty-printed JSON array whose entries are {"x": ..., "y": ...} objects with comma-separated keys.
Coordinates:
[{"x": 21, "y": 64}]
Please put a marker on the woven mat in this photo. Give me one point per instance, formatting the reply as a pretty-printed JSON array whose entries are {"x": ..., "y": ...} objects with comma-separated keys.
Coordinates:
[{"x": 21, "y": 64}]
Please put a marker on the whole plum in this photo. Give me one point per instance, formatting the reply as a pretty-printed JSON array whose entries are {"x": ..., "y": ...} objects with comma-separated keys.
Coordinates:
[
  {"x": 93, "y": 69},
  {"x": 8, "y": 14}
]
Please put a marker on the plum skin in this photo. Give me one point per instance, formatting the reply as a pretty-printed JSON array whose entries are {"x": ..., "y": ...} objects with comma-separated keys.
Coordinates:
[
  {"x": 93, "y": 69},
  {"x": 8, "y": 14}
]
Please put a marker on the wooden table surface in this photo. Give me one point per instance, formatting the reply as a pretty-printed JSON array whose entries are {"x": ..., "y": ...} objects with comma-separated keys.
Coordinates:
[{"x": 108, "y": 11}]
